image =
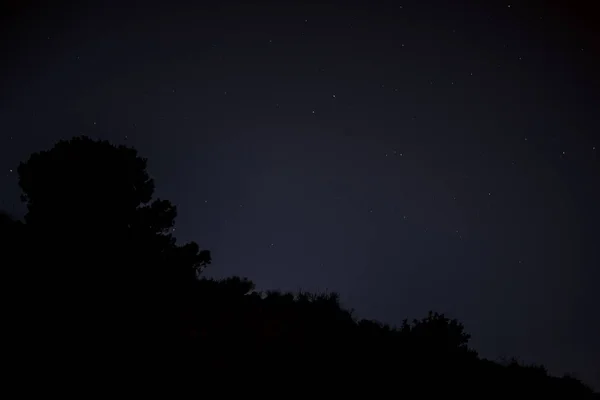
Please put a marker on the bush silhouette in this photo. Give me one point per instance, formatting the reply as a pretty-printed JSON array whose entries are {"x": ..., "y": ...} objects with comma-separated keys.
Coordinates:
[{"x": 100, "y": 282}]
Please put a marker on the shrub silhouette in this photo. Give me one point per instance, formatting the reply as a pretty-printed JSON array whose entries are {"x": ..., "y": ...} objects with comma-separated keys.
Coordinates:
[{"x": 100, "y": 280}]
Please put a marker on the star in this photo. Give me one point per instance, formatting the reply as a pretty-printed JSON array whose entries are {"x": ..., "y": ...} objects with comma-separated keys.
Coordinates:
[{"x": 333, "y": 96}]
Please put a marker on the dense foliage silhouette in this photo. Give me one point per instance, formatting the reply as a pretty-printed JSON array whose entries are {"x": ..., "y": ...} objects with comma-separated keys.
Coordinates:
[{"x": 98, "y": 280}]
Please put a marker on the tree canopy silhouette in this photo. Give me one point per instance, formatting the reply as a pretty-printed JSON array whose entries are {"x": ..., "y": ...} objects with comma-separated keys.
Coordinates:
[
  {"x": 105, "y": 258},
  {"x": 91, "y": 202}
]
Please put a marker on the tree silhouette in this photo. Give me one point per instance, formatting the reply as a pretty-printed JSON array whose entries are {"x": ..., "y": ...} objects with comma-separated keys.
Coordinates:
[
  {"x": 106, "y": 263},
  {"x": 438, "y": 333},
  {"x": 95, "y": 199}
]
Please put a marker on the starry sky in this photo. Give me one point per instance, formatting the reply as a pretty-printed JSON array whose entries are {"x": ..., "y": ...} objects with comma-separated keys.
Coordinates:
[{"x": 411, "y": 155}]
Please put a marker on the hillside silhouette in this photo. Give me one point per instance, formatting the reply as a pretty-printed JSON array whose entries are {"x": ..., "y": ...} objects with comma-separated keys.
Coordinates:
[{"x": 97, "y": 281}]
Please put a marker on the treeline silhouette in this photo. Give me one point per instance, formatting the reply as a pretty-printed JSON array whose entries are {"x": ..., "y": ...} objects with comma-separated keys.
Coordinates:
[{"x": 96, "y": 282}]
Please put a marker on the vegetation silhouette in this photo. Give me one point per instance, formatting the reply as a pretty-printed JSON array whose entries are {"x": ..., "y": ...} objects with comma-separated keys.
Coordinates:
[{"x": 100, "y": 278}]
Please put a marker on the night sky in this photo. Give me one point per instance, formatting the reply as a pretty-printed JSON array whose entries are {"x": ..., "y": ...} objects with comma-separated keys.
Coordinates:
[{"x": 411, "y": 155}]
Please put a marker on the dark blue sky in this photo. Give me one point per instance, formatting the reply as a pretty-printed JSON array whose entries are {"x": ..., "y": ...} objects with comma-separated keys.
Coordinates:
[{"x": 411, "y": 155}]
